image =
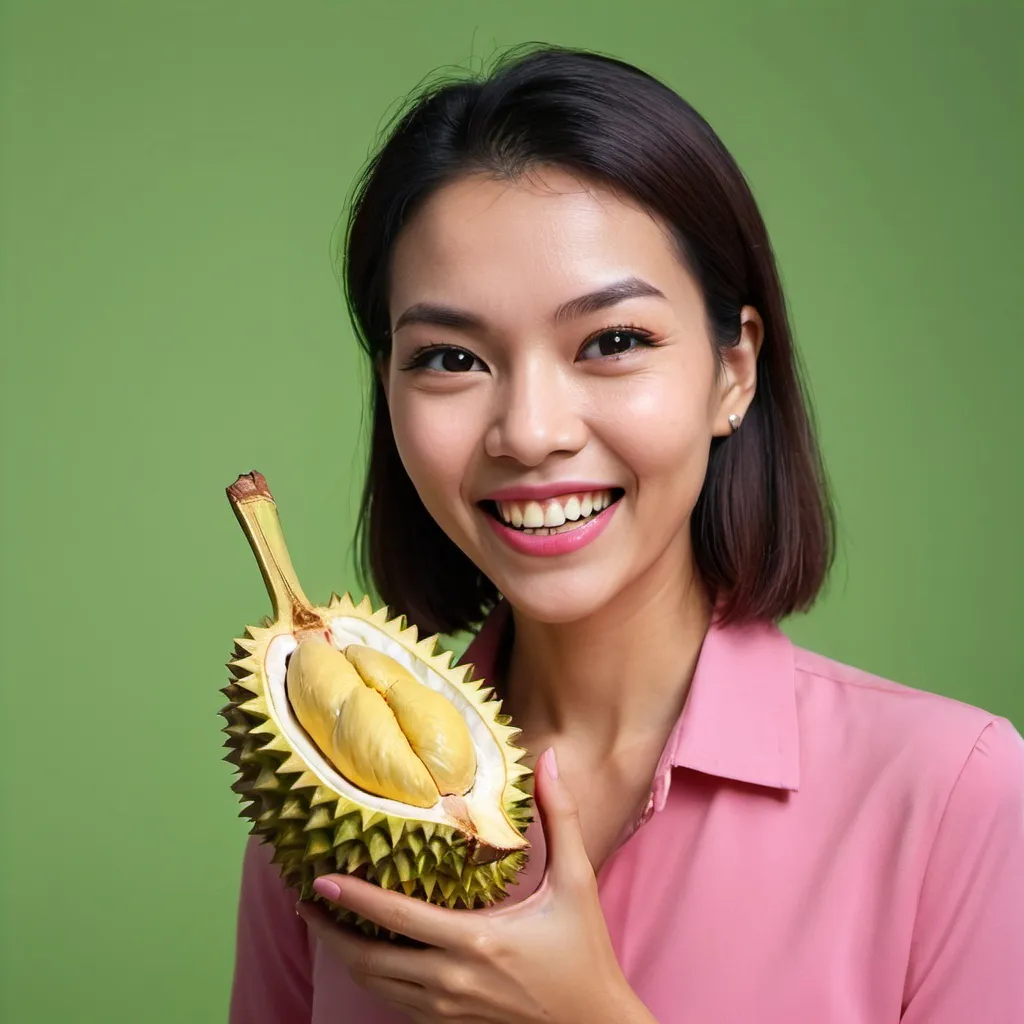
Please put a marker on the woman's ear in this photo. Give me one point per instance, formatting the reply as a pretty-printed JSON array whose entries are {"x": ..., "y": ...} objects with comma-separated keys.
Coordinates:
[{"x": 739, "y": 374}]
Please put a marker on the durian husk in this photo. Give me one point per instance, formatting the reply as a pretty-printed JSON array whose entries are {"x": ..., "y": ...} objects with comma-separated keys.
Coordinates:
[{"x": 313, "y": 825}]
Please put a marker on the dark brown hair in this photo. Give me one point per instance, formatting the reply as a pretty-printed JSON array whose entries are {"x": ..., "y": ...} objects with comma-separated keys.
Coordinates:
[{"x": 762, "y": 529}]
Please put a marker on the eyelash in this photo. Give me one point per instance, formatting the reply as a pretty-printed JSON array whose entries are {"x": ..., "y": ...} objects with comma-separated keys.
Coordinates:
[{"x": 418, "y": 359}]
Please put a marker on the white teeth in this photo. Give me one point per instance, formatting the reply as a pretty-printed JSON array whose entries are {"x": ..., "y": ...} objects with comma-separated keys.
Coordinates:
[
  {"x": 533, "y": 515},
  {"x": 554, "y": 515}
]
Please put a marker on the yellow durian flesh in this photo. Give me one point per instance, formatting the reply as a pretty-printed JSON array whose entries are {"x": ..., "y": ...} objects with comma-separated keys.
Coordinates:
[
  {"x": 354, "y": 727},
  {"x": 369, "y": 742},
  {"x": 435, "y": 729},
  {"x": 319, "y": 681}
]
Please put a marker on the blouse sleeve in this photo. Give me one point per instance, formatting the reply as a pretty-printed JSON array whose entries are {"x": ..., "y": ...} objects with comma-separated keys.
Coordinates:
[
  {"x": 273, "y": 968},
  {"x": 967, "y": 952}
]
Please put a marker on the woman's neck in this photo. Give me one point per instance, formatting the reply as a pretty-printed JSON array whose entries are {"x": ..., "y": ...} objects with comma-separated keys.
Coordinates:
[{"x": 614, "y": 679}]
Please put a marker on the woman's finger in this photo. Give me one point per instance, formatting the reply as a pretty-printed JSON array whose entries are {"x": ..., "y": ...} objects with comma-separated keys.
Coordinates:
[
  {"x": 371, "y": 958},
  {"x": 406, "y": 995},
  {"x": 417, "y": 1001},
  {"x": 436, "y": 926},
  {"x": 567, "y": 862}
]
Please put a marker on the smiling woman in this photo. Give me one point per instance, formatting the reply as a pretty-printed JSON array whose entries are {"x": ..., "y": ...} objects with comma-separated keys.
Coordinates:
[
  {"x": 589, "y": 430},
  {"x": 544, "y": 218}
]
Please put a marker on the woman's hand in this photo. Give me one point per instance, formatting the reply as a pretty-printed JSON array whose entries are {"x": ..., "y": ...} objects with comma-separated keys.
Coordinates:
[{"x": 548, "y": 958}]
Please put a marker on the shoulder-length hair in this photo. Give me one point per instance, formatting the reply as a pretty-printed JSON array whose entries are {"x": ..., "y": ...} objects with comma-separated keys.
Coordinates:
[{"x": 763, "y": 527}]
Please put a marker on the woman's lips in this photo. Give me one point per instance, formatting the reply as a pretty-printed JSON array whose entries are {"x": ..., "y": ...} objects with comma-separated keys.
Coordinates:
[{"x": 554, "y": 543}]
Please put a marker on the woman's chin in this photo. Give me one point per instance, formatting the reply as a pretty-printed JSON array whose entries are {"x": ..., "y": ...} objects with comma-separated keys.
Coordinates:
[{"x": 544, "y": 597}]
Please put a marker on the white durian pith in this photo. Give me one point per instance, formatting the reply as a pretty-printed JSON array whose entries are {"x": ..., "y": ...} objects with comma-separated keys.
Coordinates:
[{"x": 463, "y": 851}]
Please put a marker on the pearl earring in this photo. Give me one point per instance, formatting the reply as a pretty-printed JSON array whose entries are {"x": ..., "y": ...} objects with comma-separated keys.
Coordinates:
[{"x": 734, "y": 422}]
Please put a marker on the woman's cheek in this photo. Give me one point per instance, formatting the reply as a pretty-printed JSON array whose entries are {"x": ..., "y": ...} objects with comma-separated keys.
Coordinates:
[
  {"x": 434, "y": 435},
  {"x": 662, "y": 432}
]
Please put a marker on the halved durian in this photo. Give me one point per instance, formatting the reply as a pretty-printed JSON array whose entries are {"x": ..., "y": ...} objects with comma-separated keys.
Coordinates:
[{"x": 360, "y": 749}]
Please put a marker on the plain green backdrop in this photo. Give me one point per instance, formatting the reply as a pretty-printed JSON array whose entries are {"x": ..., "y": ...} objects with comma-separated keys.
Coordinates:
[{"x": 170, "y": 177}]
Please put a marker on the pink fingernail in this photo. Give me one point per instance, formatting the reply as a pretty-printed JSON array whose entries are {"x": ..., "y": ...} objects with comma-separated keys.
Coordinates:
[
  {"x": 326, "y": 888},
  {"x": 551, "y": 763}
]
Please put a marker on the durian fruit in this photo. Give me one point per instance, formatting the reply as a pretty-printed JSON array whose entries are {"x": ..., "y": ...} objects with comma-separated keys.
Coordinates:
[{"x": 359, "y": 749}]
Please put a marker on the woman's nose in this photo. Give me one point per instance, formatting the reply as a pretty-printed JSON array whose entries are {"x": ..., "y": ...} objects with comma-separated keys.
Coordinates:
[{"x": 536, "y": 414}]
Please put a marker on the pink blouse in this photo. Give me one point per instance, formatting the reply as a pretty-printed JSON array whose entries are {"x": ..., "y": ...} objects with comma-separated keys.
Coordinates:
[{"x": 820, "y": 845}]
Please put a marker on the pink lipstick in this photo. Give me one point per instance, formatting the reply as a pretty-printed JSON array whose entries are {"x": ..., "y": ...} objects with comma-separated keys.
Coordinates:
[{"x": 567, "y": 536}]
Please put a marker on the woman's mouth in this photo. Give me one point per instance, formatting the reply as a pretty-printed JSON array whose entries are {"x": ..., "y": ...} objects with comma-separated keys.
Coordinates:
[
  {"x": 552, "y": 515},
  {"x": 555, "y": 525}
]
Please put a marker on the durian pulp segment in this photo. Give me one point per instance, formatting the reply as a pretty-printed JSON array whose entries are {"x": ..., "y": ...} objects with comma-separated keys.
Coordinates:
[
  {"x": 438, "y": 735},
  {"x": 352, "y": 725},
  {"x": 489, "y": 788}
]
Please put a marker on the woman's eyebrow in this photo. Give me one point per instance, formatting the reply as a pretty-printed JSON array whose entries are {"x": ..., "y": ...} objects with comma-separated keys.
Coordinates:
[
  {"x": 609, "y": 295},
  {"x": 582, "y": 305}
]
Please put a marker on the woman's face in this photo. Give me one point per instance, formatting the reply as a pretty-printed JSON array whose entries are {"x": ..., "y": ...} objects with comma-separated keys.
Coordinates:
[{"x": 516, "y": 401}]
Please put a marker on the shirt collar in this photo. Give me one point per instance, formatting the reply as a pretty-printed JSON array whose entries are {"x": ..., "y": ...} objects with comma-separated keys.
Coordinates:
[{"x": 739, "y": 721}]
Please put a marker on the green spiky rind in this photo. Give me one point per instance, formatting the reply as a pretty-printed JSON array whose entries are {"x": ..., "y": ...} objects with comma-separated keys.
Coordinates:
[{"x": 315, "y": 830}]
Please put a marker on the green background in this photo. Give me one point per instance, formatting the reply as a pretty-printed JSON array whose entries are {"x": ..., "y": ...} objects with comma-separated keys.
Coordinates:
[{"x": 171, "y": 175}]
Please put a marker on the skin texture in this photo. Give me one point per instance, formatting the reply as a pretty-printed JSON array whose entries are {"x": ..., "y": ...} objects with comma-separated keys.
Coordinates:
[{"x": 607, "y": 636}]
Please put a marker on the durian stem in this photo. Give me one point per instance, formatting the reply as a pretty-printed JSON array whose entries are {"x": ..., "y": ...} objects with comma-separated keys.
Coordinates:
[{"x": 256, "y": 510}]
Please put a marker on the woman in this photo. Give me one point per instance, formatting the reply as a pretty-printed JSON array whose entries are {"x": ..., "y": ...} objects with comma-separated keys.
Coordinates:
[{"x": 589, "y": 427}]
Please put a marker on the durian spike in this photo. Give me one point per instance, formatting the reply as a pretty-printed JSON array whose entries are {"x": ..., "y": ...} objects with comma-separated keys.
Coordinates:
[{"x": 256, "y": 510}]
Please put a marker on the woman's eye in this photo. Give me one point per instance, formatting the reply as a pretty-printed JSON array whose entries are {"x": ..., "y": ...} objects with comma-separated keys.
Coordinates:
[
  {"x": 615, "y": 342},
  {"x": 448, "y": 360}
]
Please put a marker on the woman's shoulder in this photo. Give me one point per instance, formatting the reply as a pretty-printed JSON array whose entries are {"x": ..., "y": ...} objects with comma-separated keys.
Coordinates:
[
  {"x": 897, "y": 700},
  {"x": 892, "y": 722}
]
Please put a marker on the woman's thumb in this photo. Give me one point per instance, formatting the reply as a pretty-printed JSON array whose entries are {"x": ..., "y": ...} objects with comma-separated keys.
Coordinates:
[{"x": 567, "y": 861}]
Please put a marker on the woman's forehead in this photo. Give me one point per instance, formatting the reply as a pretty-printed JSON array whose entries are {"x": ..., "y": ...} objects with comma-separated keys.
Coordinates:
[{"x": 538, "y": 242}]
